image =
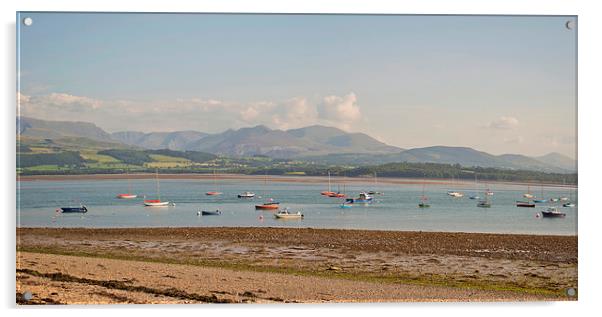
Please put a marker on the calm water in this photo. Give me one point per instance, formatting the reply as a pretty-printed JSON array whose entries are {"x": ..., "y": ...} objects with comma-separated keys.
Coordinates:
[{"x": 395, "y": 210}]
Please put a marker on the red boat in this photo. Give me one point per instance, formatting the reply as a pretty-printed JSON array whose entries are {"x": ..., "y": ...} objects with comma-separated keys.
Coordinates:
[
  {"x": 327, "y": 193},
  {"x": 212, "y": 193},
  {"x": 337, "y": 195},
  {"x": 126, "y": 196},
  {"x": 268, "y": 206}
]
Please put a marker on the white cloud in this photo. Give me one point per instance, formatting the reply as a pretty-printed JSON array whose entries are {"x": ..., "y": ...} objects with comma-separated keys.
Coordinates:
[
  {"x": 209, "y": 115},
  {"x": 342, "y": 111},
  {"x": 504, "y": 123}
]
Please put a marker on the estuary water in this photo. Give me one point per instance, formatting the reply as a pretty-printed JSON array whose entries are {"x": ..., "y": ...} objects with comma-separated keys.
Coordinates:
[{"x": 396, "y": 209}]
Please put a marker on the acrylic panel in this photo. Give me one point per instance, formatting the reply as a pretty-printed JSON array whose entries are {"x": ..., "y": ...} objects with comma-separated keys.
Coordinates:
[{"x": 295, "y": 158}]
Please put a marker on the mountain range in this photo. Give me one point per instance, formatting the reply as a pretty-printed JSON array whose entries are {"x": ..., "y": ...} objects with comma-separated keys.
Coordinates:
[{"x": 316, "y": 143}]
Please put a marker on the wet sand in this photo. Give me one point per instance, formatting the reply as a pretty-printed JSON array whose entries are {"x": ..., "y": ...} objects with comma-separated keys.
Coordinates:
[
  {"x": 277, "y": 179},
  {"x": 196, "y": 265}
]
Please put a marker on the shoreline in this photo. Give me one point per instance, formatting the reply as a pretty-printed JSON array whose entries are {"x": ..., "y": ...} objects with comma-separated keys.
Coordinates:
[
  {"x": 306, "y": 263},
  {"x": 281, "y": 179}
]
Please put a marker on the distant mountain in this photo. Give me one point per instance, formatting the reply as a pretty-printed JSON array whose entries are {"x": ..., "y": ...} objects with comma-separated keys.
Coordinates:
[
  {"x": 319, "y": 144},
  {"x": 443, "y": 155},
  {"x": 43, "y": 129},
  {"x": 313, "y": 140},
  {"x": 178, "y": 140},
  {"x": 559, "y": 160}
]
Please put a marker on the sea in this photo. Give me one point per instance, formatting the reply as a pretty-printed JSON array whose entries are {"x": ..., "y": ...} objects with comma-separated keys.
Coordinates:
[{"x": 396, "y": 208}]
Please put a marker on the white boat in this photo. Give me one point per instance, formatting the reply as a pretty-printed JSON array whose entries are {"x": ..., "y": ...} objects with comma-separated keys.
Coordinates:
[
  {"x": 246, "y": 195},
  {"x": 156, "y": 202},
  {"x": 455, "y": 194},
  {"x": 286, "y": 214}
]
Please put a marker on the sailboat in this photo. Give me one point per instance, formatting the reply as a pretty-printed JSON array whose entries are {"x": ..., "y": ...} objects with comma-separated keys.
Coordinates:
[
  {"x": 214, "y": 193},
  {"x": 156, "y": 202},
  {"x": 270, "y": 204},
  {"x": 528, "y": 194},
  {"x": 129, "y": 194},
  {"x": 375, "y": 192},
  {"x": 569, "y": 203},
  {"x": 453, "y": 193},
  {"x": 484, "y": 203},
  {"x": 475, "y": 196},
  {"x": 423, "y": 199},
  {"x": 329, "y": 191},
  {"x": 540, "y": 198}
]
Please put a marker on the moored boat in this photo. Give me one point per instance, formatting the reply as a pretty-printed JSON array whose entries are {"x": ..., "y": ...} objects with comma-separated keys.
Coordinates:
[
  {"x": 211, "y": 212},
  {"x": 268, "y": 206},
  {"x": 81, "y": 209},
  {"x": 569, "y": 205},
  {"x": 484, "y": 204},
  {"x": 525, "y": 204},
  {"x": 246, "y": 195},
  {"x": 552, "y": 212},
  {"x": 345, "y": 206},
  {"x": 363, "y": 198},
  {"x": 214, "y": 192},
  {"x": 156, "y": 202},
  {"x": 126, "y": 196},
  {"x": 424, "y": 200},
  {"x": 286, "y": 214}
]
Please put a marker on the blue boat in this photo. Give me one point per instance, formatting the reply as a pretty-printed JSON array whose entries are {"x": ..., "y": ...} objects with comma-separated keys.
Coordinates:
[
  {"x": 345, "y": 206},
  {"x": 539, "y": 201},
  {"x": 81, "y": 209}
]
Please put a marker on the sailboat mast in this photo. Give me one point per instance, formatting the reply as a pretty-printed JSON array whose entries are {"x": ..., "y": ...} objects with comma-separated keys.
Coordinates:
[
  {"x": 329, "y": 189},
  {"x": 129, "y": 182},
  {"x": 158, "y": 189}
]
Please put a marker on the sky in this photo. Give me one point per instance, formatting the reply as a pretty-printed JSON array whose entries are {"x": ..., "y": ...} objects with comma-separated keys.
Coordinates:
[{"x": 500, "y": 84}]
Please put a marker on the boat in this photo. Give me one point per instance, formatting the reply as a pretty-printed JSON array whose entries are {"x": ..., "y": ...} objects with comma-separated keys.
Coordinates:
[
  {"x": 540, "y": 198},
  {"x": 211, "y": 213},
  {"x": 488, "y": 192},
  {"x": 156, "y": 202},
  {"x": 268, "y": 206},
  {"x": 329, "y": 191},
  {"x": 475, "y": 196},
  {"x": 525, "y": 204},
  {"x": 129, "y": 194},
  {"x": 424, "y": 200},
  {"x": 375, "y": 192},
  {"x": 246, "y": 195},
  {"x": 484, "y": 204},
  {"x": 453, "y": 193},
  {"x": 81, "y": 209},
  {"x": 286, "y": 214},
  {"x": 345, "y": 206},
  {"x": 569, "y": 205},
  {"x": 364, "y": 198},
  {"x": 552, "y": 212},
  {"x": 214, "y": 193},
  {"x": 554, "y": 200}
]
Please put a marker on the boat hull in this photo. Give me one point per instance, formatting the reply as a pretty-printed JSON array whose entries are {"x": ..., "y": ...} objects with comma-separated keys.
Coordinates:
[
  {"x": 525, "y": 205},
  {"x": 211, "y": 213},
  {"x": 267, "y": 207},
  {"x": 212, "y": 193},
  {"x": 548, "y": 214},
  {"x": 422, "y": 205},
  {"x": 81, "y": 210},
  {"x": 155, "y": 203},
  {"x": 126, "y": 196}
]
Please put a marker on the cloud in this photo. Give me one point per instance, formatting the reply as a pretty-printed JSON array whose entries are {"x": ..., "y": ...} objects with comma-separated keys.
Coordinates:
[
  {"x": 203, "y": 114},
  {"x": 341, "y": 110},
  {"x": 503, "y": 123}
]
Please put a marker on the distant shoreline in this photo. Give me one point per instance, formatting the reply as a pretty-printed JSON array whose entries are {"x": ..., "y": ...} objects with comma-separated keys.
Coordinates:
[{"x": 335, "y": 180}]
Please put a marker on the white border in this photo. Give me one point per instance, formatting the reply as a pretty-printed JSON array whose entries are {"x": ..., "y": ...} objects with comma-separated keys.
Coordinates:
[{"x": 589, "y": 151}]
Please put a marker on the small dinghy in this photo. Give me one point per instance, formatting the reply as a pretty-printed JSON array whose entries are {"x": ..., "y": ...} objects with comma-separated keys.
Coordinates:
[
  {"x": 211, "y": 213},
  {"x": 81, "y": 209},
  {"x": 552, "y": 212},
  {"x": 286, "y": 214}
]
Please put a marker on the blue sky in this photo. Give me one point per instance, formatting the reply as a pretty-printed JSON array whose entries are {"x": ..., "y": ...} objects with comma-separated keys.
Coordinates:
[{"x": 496, "y": 83}]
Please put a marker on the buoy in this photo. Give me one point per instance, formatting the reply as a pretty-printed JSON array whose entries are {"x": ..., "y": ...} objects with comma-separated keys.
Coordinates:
[
  {"x": 537, "y": 215},
  {"x": 198, "y": 213},
  {"x": 260, "y": 216}
]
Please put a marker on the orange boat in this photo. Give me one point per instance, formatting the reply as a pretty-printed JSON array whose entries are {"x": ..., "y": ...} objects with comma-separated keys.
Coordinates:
[
  {"x": 327, "y": 193},
  {"x": 337, "y": 195},
  {"x": 268, "y": 206},
  {"x": 212, "y": 193}
]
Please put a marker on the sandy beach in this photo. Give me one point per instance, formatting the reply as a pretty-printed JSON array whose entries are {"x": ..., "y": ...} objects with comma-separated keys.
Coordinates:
[{"x": 275, "y": 265}]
